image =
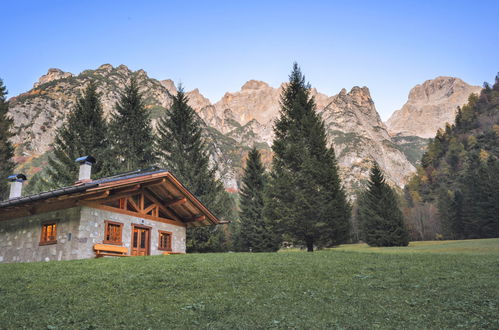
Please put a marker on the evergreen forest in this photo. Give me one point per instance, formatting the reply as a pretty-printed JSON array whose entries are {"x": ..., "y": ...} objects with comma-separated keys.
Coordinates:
[{"x": 458, "y": 180}]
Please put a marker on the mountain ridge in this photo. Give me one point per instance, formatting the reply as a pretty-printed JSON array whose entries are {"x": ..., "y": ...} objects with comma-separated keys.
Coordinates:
[{"x": 232, "y": 125}]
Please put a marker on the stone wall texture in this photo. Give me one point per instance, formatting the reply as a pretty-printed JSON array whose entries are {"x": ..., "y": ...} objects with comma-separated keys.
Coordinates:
[
  {"x": 20, "y": 238},
  {"x": 78, "y": 229},
  {"x": 92, "y": 231}
]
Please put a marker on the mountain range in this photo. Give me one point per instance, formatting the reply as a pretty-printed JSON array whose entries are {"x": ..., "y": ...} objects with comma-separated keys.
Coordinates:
[{"x": 243, "y": 119}]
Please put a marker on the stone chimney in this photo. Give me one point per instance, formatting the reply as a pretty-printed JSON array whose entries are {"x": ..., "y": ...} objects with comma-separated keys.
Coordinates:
[
  {"x": 16, "y": 185},
  {"x": 86, "y": 163}
]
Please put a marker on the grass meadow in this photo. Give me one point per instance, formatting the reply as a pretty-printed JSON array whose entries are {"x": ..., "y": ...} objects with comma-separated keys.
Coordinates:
[{"x": 448, "y": 284}]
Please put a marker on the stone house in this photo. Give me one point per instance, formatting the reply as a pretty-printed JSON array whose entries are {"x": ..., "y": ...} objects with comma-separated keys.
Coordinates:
[{"x": 145, "y": 212}]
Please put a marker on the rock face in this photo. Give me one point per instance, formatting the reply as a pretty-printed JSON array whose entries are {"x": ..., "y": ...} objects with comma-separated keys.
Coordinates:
[
  {"x": 52, "y": 74},
  {"x": 430, "y": 106},
  {"x": 39, "y": 112},
  {"x": 352, "y": 122},
  {"x": 233, "y": 125},
  {"x": 359, "y": 136}
]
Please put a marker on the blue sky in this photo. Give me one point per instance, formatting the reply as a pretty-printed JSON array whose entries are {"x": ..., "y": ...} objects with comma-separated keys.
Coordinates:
[{"x": 216, "y": 46}]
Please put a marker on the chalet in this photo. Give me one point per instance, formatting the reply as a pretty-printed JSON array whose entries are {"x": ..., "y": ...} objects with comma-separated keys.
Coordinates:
[{"x": 145, "y": 212}]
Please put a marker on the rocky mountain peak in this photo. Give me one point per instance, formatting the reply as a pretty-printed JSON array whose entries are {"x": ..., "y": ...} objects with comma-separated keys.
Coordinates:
[
  {"x": 430, "y": 106},
  {"x": 52, "y": 74},
  {"x": 169, "y": 85},
  {"x": 254, "y": 85},
  {"x": 256, "y": 100},
  {"x": 121, "y": 69},
  {"x": 196, "y": 100},
  {"x": 141, "y": 74},
  {"x": 359, "y": 98},
  {"x": 106, "y": 67},
  {"x": 440, "y": 88},
  {"x": 359, "y": 95}
]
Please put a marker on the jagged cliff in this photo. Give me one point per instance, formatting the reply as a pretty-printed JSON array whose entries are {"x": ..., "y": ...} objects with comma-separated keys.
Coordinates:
[
  {"x": 430, "y": 106},
  {"x": 352, "y": 122},
  {"x": 232, "y": 125},
  {"x": 359, "y": 136}
]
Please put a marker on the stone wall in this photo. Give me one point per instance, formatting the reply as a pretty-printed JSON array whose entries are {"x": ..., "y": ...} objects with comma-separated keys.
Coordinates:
[
  {"x": 92, "y": 231},
  {"x": 78, "y": 229},
  {"x": 20, "y": 238}
]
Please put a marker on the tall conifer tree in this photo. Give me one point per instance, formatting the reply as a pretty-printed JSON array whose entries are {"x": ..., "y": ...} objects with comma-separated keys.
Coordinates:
[
  {"x": 84, "y": 132},
  {"x": 450, "y": 211},
  {"x": 6, "y": 148},
  {"x": 131, "y": 133},
  {"x": 480, "y": 188},
  {"x": 182, "y": 150},
  {"x": 255, "y": 233},
  {"x": 380, "y": 216},
  {"x": 305, "y": 196}
]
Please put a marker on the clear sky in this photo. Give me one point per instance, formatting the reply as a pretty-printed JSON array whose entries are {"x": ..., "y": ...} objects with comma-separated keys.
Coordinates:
[{"x": 216, "y": 46}]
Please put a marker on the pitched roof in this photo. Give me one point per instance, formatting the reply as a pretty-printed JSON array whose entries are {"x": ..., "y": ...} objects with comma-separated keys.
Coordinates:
[
  {"x": 77, "y": 188},
  {"x": 160, "y": 182},
  {"x": 45, "y": 195}
]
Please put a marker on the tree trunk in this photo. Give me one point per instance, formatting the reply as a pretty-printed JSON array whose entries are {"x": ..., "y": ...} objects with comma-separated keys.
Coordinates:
[{"x": 310, "y": 245}]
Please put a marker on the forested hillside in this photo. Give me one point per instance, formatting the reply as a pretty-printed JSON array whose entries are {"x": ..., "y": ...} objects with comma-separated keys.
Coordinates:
[{"x": 459, "y": 174}]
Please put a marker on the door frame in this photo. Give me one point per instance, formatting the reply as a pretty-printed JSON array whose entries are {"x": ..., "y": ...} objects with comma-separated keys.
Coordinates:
[{"x": 148, "y": 244}]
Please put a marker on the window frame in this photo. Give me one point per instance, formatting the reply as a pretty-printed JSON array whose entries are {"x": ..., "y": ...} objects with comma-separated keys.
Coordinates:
[
  {"x": 106, "y": 232},
  {"x": 169, "y": 247},
  {"x": 43, "y": 235}
]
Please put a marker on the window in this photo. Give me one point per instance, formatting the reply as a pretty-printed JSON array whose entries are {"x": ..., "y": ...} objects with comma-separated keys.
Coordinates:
[
  {"x": 165, "y": 240},
  {"x": 49, "y": 233},
  {"x": 112, "y": 234}
]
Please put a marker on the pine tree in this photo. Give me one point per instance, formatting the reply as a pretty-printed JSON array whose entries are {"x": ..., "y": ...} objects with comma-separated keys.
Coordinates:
[
  {"x": 380, "y": 216},
  {"x": 255, "y": 233},
  {"x": 480, "y": 198},
  {"x": 450, "y": 211},
  {"x": 37, "y": 184},
  {"x": 84, "y": 132},
  {"x": 131, "y": 133},
  {"x": 305, "y": 197},
  {"x": 182, "y": 150},
  {"x": 6, "y": 148}
]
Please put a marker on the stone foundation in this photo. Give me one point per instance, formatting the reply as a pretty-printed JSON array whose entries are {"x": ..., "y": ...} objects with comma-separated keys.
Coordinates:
[{"x": 78, "y": 229}]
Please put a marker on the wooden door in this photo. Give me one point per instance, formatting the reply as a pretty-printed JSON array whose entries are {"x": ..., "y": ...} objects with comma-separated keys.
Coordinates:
[{"x": 140, "y": 240}]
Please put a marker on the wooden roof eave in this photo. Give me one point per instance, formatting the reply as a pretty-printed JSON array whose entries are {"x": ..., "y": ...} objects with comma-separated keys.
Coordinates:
[
  {"x": 153, "y": 180},
  {"x": 210, "y": 217}
]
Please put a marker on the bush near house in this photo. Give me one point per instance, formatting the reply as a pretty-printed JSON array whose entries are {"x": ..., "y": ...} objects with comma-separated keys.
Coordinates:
[{"x": 431, "y": 285}]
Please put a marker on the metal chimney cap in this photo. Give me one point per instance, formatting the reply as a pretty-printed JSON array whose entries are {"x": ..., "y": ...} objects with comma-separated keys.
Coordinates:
[
  {"x": 86, "y": 160},
  {"x": 17, "y": 177}
]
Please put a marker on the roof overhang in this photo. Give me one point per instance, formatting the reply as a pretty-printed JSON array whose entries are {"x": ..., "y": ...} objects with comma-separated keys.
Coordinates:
[{"x": 161, "y": 185}]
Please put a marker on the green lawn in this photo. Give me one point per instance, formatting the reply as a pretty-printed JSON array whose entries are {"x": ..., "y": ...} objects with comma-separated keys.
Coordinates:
[
  {"x": 411, "y": 287},
  {"x": 471, "y": 246}
]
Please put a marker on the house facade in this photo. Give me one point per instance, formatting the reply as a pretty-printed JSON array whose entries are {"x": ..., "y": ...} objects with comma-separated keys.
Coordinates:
[{"x": 138, "y": 213}]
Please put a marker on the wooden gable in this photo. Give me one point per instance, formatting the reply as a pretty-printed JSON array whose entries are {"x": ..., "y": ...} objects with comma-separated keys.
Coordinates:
[{"x": 161, "y": 200}]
